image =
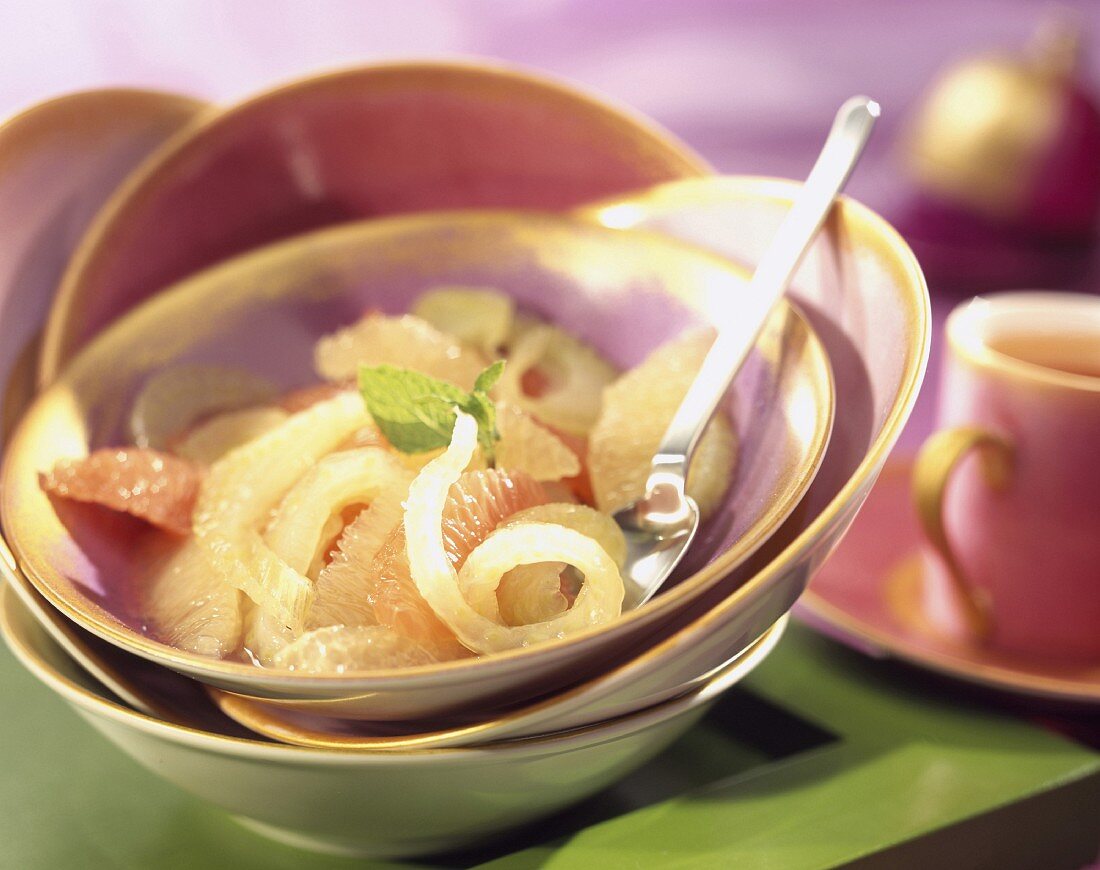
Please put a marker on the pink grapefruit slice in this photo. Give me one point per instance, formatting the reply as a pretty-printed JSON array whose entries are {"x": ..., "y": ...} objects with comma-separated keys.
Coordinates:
[
  {"x": 156, "y": 487},
  {"x": 367, "y": 582}
]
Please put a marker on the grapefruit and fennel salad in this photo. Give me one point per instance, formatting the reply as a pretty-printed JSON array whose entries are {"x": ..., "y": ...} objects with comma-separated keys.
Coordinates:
[{"x": 444, "y": 491}]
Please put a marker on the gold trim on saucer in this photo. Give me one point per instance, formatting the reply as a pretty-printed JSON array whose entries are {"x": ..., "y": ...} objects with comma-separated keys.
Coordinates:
[{"x": 1051, "y": 682}]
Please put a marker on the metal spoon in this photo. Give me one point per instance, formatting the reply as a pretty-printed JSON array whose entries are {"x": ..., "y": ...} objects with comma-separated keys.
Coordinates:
[{"x": 660, "y": 526}]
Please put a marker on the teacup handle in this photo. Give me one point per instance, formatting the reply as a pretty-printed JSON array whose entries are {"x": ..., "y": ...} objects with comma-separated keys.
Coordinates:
[{"x": 935, "y": 465}]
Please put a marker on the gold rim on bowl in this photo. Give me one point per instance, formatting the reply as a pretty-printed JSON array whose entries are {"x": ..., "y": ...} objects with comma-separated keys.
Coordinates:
[
  {"x": 264, "y": 719},
  {"x": 590, "y": 735},
  {"x": 46, "y": 134},
  {"x": 15, "y": 122}
]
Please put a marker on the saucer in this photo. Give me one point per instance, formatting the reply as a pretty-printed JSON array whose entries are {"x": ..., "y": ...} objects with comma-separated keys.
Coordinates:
[{"x": 867, "y": 594}]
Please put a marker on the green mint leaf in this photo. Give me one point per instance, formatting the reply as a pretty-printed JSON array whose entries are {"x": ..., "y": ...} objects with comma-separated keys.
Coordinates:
[
  {"x": 479, "y": 406},
  {"x": 415, "y": 412},
  {"x": 488, "y": 378}
]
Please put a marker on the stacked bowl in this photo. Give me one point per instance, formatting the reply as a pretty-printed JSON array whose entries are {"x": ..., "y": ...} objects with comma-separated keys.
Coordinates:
[{"x": 240, "y": 236}]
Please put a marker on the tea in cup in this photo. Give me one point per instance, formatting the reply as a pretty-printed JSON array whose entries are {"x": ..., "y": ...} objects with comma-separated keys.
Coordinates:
[{"x": 1008, "y": 490}]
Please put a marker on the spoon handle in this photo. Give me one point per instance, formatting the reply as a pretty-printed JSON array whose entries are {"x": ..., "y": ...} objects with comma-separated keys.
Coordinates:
[{"x": 842, "y": 149}]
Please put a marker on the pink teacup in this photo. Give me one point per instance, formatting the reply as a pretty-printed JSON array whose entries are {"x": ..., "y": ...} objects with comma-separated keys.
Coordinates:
[{"x": 1008, "y": 492}]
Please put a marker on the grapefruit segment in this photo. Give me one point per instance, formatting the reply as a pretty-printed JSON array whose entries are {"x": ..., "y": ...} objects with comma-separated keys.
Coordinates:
[
  {"x": 405, "y": 342},
  {"x": 176, "y": 398},
  {"x": 210, "y": 441},
  {"x": 479, "y": 317},
  {"x": 156, "y": 487},
  {"x": 337, "y": 649},
  {"x": 384, "y": 593},
  {"x": 637, "y": 409},
  {"x": 344, "y": 585},
  {"x": 527, "y": 445}
]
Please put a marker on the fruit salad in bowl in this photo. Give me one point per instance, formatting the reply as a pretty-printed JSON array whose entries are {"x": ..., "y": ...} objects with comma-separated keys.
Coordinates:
[
  {"x": 418, "y": 504},
  {"x": 376, "y": 465}
]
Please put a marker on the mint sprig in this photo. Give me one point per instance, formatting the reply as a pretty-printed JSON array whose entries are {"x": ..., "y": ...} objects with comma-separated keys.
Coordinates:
[{"x": 416, "y": 412}]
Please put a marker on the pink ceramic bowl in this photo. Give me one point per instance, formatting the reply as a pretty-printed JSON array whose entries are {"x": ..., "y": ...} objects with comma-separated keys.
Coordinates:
[
  {"x": 364, "y": 142},
  {"x": 625, "y": 293}
]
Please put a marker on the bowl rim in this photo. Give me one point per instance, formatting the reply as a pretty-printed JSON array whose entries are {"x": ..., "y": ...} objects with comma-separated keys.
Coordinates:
[
  {"x": 423, "y": 676},
  {"x": 255, "y": 711},
  {"x": 57, "y": 343},
  {"x": 12, "y": 123},
  {"x": 14, "y": 619}
]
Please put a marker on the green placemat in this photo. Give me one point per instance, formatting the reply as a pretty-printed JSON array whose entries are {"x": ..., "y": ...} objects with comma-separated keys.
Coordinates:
[{"x": 821, "y": 758}]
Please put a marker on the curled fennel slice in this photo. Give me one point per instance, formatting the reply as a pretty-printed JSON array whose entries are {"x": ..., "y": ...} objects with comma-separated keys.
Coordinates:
[
  {"x": 533, "y": 592},
  {"x": 210, "y": 441},
  {"x": 576, "y": 376},
  {"x": 187, "y": 605},
  {"x": 241, "y": 489},
  {"x": 599, "y": 600},
  {"x": 337, "y": 649},
  {"x": 264, "y": 635},
  {"x": 309, "y": 516}
]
